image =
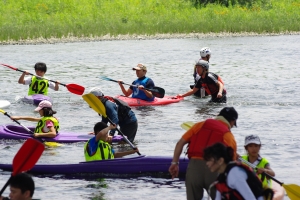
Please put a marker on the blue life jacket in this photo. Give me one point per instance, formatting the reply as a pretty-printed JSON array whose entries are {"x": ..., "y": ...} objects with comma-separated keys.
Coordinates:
[{"x": 140, "y": 94}]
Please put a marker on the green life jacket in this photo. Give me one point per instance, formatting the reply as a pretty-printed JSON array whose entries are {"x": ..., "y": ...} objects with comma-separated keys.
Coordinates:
[
  {"x": 38, "y": 86},
  {"x": 103, "y": 152},
  {"x": 42, "y": 123},
  {"x": 262, "y": 163}
]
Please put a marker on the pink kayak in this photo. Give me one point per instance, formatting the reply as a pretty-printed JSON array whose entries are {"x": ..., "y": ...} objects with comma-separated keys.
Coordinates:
[{"x": 156, "y": 102}]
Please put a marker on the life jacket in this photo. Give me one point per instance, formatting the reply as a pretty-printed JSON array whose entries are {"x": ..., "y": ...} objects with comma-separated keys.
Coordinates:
[
  {"x": 267, "y": 183},
  {"x": 103, "y": 152},
  {"x": 211, "y": 132},
  {"x": 123, "y": 107},
  {"x": 140, "y": 94},
  {"x": 42, "y": 123},
  {"x": 212, "y": 88},
  {"x": 231, "y": 194},
  {"x": 38, "y": 86}
]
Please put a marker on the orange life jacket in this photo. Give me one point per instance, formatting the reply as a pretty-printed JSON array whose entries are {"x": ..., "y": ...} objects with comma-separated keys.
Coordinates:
[{"x": 212, "y": 88}]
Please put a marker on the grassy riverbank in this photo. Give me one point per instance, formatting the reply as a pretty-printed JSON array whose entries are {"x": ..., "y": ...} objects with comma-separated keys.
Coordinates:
[{"x": 33, "y": 19}]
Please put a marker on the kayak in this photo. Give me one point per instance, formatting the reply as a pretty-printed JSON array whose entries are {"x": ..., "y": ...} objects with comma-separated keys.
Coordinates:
[
  {"x": 118, "y": 167},
  {"x": 19, "y": 133},
  {"x": 36, "y": 99},
  {"x": 156, "y": 102},
  {"x": 4, "y": 104}
]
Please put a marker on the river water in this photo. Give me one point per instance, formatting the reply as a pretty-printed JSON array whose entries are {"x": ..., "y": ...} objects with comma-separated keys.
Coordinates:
[{"x": 261, "y": 75}]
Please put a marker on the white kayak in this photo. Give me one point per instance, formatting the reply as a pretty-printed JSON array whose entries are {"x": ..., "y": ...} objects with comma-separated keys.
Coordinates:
[{"x": 4, "y": 104}]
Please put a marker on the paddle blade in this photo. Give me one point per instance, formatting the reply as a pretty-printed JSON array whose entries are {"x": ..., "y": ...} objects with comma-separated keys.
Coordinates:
[
  {"x": 27, "y": 156},
  {"x": 75, "y": 89},
  {"x": 53, "y": 144},
  {"x": 157, "y": 92},
  {"x": 95, "y": 104},
  {"x": 293, "y": 191},
  {"x": 9, "y": 66},
  {"x": 187, "y": 125}
]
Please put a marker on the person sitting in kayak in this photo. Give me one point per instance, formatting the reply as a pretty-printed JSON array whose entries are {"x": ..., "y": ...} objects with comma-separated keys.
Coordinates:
[
  {"x": 119, "y": 112},
  {"x": 38, "y": 85},
  {"x": 205, "y": 54},
  {"x": 97, "y": 148},
  {"x": 235, "y": 180},
  {"x": 211, "y": 82},
  {"x": 142, "y": 82},
  {"x": 21, "y": 187},
  {"x": 47, "y": 125},
  {"x": 252, "y": 147}
]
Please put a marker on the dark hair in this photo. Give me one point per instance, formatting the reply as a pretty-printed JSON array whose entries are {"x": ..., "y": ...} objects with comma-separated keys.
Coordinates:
[
  {"x": 40, "y": 66},
  {"x": 217, "y": 151},
  {"x": 23, "y": 182},
  {"x": 99, "y": 127},
  {"x": 48, "y": 112}
]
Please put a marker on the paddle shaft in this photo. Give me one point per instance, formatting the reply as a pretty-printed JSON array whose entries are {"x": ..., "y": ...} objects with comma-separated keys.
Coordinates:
[
  {"x": 254, "y": 167},
  {"x": 156, "y": 91}
]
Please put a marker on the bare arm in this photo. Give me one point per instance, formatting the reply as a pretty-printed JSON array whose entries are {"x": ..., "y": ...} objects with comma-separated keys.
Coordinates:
[
  {"x": 174, "y": 167},
  {"x": 148, "y": 93},
  {"x": 267, "y": 170},
  {"x": 56, "y": 86},
  {"x": 50, "y": 134},
  {"x": 125, "y": 153},
  {"x": 190, "y": 92},
  {"x": 105, "y": 131},
  {"x": 221, "y": 86},
  {"x": 125, "y": 92},
  {"x": 33, "y": 119},
  {"x": 21, "y": 79}
]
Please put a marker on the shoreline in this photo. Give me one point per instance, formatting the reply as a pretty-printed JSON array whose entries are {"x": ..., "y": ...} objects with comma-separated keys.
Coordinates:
[{"x": 108, "y": 37}]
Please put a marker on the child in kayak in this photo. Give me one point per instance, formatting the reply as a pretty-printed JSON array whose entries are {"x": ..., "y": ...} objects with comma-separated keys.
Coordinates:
[
  {"x": 48, "y": 125},
  {"x": 98, "y": 149},
  {"x": 38, "y": 85},
  {"x": 235, "y": 180},
  {"x": 252, "y": 147}
]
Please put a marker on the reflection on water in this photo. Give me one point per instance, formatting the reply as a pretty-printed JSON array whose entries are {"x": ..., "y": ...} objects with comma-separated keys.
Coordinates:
[{"x": 261, "y": 79}]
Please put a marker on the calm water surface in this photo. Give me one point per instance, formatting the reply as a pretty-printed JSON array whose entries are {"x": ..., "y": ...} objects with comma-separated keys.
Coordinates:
[{"x": 261, "y": 75}]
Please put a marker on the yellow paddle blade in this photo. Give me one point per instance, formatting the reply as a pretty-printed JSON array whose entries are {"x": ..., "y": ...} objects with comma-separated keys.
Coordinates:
[
  {"x": 95, "y": 104},
  {"x": 187, "y": 125},
  {"x": 293, "y": 191},
  {"x": 2, "y": 111},
  {"x": 53, "y": 144}
]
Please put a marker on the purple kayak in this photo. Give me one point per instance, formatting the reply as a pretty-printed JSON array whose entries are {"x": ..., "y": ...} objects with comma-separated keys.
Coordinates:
[
  {"x": 36, "y": 99},
  {"x": 19, "y": 133},
  {"x": 155, "y": 166}
]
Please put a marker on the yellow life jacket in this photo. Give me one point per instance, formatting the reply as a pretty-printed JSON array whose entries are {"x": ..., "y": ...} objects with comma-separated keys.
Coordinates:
[
  {"x": 38, "y": 86},
  {"x": 103, "y": 152},
  {"x": 267, "y": 183},
  {"x": 42, "y": 123}
]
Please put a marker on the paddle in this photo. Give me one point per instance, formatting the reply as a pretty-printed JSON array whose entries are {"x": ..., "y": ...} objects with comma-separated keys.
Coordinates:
[
  {"x": 156, "y": 91},
  {"x": 73, "y": 88},
  {"x": 25, "y": 159},
  {"x": 50, "y": 144},
  {"x": 293, "y": 191},
  {"x": 98, "y": 106}
]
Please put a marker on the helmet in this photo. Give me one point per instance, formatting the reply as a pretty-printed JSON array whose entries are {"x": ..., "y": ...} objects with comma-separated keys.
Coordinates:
[
  {"x": 205, "y": 51},
  {"x": 203, "y": 63},
  {"x": 96, "y": 91}
]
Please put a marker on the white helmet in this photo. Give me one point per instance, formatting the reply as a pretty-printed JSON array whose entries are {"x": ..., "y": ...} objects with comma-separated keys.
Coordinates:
[
  {"x": 96, "y": 91},
  {"x": 203, "y": 63},
  {"x": 205, "y": 51}
]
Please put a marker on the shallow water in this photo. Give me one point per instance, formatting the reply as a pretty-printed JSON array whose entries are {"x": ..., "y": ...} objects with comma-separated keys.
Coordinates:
[{"x": 261, "y": 75}]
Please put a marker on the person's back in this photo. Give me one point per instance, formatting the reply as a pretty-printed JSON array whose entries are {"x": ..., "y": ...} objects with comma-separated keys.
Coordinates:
[{"x": 38, "y": 85}]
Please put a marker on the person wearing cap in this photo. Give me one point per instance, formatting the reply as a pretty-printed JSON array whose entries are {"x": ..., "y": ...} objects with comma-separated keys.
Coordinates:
[
  {"x": 47, "y": 125},
  {"x": 212, "y": 83},
  {"x": 119, "y": 112},
  {"x": 97, "y": 148},
  {"x": 200, "y": 136},
  {"x": 38, "y": 85},
  {"x": 142, "y": 82},
  {"x": 252, "y": 147}
]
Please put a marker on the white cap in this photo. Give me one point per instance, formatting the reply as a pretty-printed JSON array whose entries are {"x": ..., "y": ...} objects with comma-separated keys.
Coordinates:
[
  {"x": 43, "y": 104},
  {"x": 252, "y": 139},
  {"x": 97, "y": 91}
]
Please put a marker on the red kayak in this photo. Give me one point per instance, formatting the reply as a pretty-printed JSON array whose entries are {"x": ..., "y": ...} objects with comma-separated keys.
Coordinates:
[{"x": 156, "y": 102}]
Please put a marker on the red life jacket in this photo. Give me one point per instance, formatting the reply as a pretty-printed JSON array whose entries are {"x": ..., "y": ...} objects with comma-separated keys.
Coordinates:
[
  {"x": 212, "y": 88},
  {"x": 253, "y": 181},
  {"x": 211, "y": 132}
]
